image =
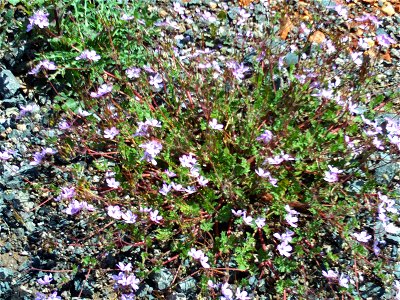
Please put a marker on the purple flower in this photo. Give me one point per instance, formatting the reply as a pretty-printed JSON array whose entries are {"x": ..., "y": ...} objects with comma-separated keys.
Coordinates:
[
  {"x": 74, "y": 207},
  {"x": 208, "y": 17},
  {"x": 45, "y": 64},
  {"x": 67, "y": 193},
  {"x": 133, "y": 72},
  {"x": 30, "y": 108},
  {"x": 90, "y": 55},
  {"x": 130, "y": 296},
  {"x": 238, "y": 213},
  {"x": 53, "y": 296},
  {"x": 166, "y": 188},
  {"x": 260, "y": 222},
  {"x": 344, "y": 281},
  {"x": 239, "y": 71},
  {"x": 188, "y": 161},
  {"x": 45, "y": 280},
  {"x": 124, "y": 268},
  {"x": 39, "y": 19},
  {"x": 330, "y": 274},
  {"x": 226, "y": 292},
  {"x": 384, "y": 40},
  {"x": 112, "y": 183},
  {"x": 125, "y": 17},
  {"x": 362, "y": 237},
  {"x": 247, "y": 219},
  {"x": 241, "y": 295},
  {"x": 214, "y": 125},
  {"x": 265, "y": 137},
  {"x": 284, "y": 249},
  {"x": 284, "y": 237},
  {"x": 152, "y": 149},
  {"x": 156, "y": 81},
  {"x": 5, "y": 155},
  {"x": 111, "y": 133},
  {"x": 199, "y": 255},
  {"x": 114, "y": 212},
  {"x": 37, "y": 158},
  {"x": 103, "y": 90},
  {"x": 129, "y": 217},
  {"x": 170, "y": 174},
  {"x": 202, "y": 181},
  {"x": 178, "y": 8},
  {"x": 155, "y": 217},
  {"x": 64, "y": 125},
  {"x": 243, "y": 16}
]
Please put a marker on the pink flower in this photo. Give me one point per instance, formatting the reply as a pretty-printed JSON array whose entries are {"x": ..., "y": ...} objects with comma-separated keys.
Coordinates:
[
  {"x": 124, "y": 268},
  {"x": 265, "y": 137},
  {"x": 384, "y": 40},
  {"x": 188, "y": 161}
]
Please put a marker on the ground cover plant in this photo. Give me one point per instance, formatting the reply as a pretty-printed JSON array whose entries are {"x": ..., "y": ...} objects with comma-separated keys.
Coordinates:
[{"x": 241, "y": 163}]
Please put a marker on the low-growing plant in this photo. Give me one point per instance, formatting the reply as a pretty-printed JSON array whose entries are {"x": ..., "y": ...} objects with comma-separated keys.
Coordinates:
[{"x": 254, "y": 170}]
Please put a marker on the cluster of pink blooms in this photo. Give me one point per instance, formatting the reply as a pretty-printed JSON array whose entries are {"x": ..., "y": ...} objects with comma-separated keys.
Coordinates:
[
  {"x": 200, "y": 256},
  {"x": 39, "y": 18},
  {"x": 125, "y": 281},
  {"x": 284, "y": 248},
  {"x": 44, "y": 64},
  {"x": 103, "y": 90}
]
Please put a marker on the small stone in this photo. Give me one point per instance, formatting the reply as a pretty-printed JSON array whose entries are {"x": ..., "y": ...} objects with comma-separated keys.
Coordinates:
[
  {"x": 213, "y": 5},
  {"x": 9, "y": 85},
  {"x": 21, "y": 127},
  {"x": 388, "y": 9},
  {"x": 317, "y": 37}
]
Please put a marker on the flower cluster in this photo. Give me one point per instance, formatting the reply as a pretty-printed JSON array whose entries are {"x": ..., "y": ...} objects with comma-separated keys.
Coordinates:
[
  {"x": 200, "y": 256},
  {"x": 332, "y": 175},
  {"x": 44, "y": 64},
  {"x": 39, "y": 18},
  {"x": 103, "y": 90},
  {"x": 151, "y": 150},
  {"x": 52, "y": 296},
  {"x": 40, "y": 155},
  {"x": 75, "y": 207},
  {"x": 125, "y": 281},
  {"x": 387, "y": 206},
  {"x": 343, "y": 280},
  {"x": 284, "y": 248},
  {"x": 89, "y": 55},
  {"x": 145, "y": 127}
]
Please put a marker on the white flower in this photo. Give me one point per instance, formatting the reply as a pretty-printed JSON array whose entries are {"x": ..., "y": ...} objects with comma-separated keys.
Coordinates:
[
  {"x": 330, "y": 274},
  {"x": 156, "y": 81},
  {"x": 362, "y": 237},
  {"x": 214, "y": 125}
]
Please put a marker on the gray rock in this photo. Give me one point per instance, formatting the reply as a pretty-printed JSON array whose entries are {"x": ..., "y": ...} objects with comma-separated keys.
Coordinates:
[
  {"x": 9, "y": 85},
  {"x": 6, "y": 273},
  {"x": 370, "y": 289},
  {"x": 188, "y": 286},
  {"x": 162, "y": 279}
]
